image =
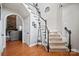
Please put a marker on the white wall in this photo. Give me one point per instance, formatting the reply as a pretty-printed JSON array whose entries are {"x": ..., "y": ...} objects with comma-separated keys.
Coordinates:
[
  {"x": 29, "y": 35},
  {"x": 50, "y": 16},
  {"x": 33, "y": 31},
  {"x": 27, "y": 30},
  {"x": 59, "y": 18},
  {"x": 18, "y": 22},
  {"x": 0, "y": 31},
  {"x": 3, "y": 14},
  {"x": 2, "y": 26},
  {"x": 1, "y": 47},
  {"x": 0, "y": 38},
  {"x": 70, "y": 17}
]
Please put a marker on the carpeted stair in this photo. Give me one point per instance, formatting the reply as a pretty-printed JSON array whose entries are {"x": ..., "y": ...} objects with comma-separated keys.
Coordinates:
[{"x": 56, "y": 43}]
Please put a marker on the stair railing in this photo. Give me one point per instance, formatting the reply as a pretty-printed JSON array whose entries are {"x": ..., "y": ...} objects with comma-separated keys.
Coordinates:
[
  {"x": 69, "y": 43},
  {"x": 46, "y": 33},
  {"x": 46, "y": 28}
]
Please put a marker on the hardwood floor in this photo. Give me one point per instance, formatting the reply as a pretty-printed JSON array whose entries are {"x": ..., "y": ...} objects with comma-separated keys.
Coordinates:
[{"x": 16, "y": 48}]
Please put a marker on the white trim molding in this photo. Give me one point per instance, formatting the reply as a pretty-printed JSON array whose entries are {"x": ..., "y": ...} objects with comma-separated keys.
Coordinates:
[
  {"x": 75, "y": 50},
  {"x": 32, "y": 44},
  {"x": 1, "y": 51}
]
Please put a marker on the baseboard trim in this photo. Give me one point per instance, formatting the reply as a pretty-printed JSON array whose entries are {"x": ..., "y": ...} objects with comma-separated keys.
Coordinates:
[
  {"x": 75, "y": 50},
  {"x": 31, "y": 45},
  {"x": 2, "y": 52}
]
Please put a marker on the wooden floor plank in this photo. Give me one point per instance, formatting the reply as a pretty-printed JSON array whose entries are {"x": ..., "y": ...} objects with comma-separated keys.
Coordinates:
[{"x": 16, "y": 48}]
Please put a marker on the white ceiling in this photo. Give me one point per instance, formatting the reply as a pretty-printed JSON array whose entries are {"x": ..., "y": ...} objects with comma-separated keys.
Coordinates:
[{"x": 17, "y": 7}]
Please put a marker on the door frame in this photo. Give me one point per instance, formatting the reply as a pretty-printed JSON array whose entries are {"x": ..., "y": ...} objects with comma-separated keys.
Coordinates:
[{"x": 5, "y": 23}]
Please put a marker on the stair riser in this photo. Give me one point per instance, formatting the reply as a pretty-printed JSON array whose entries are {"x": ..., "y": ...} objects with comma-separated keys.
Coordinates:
[
  {"x": 55, "y": 40},
  {"x": 51, "y": 41},
  {"x": 57, "y": 44},
  {"x": 54, "y": 35}
]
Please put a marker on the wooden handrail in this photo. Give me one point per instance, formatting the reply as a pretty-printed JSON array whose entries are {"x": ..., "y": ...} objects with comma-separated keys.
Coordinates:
[{"x": 69, "y": 44}]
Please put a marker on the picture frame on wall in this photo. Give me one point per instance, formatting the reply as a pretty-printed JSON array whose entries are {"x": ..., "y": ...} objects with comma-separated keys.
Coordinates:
[{"x": 33, "y": 24}]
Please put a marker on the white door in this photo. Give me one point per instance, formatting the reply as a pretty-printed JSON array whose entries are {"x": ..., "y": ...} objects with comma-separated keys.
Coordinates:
[
  {"x": 1, "y": 35},
  {"x": 1, "y": 41}
]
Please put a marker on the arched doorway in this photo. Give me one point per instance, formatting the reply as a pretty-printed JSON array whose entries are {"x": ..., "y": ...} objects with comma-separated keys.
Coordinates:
[{"x": 14, "y": 28}]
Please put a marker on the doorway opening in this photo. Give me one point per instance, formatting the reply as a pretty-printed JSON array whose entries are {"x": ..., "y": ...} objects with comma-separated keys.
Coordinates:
[{"x": 14, "y": 29}]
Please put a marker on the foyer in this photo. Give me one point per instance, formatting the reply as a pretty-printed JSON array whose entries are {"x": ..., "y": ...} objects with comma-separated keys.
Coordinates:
[{"x": 48, "y": 29}]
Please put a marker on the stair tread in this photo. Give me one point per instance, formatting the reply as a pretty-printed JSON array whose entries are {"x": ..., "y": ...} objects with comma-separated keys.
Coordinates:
[
  {"x": 55, "y": 38},
  {"x": 53, "y": 34},
  {"x": 58, "y": 47}
]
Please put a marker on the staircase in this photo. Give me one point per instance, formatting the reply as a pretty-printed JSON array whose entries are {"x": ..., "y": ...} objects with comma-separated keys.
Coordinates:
[
  {"x": 56, "y": 43},
  {"x": 52, "y": 41}
]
